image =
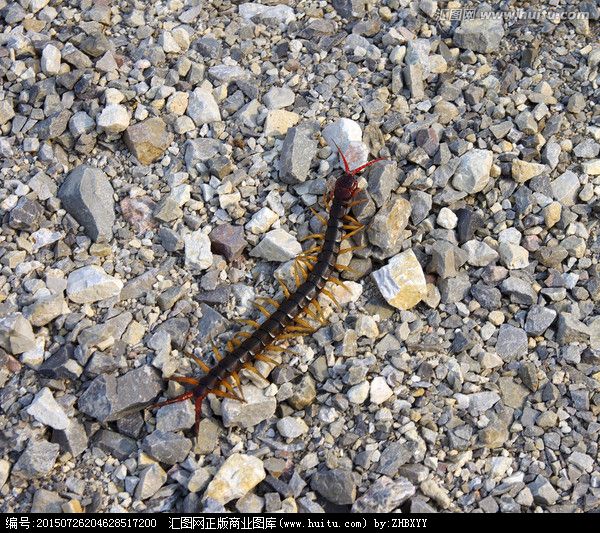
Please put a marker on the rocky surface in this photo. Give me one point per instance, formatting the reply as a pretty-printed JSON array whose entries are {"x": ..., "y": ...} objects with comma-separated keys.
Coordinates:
[{"x": 158, "y": 163}]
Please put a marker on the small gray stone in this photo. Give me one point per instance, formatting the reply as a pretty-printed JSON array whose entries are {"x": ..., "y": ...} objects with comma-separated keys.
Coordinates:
[
  {"x": 473, "y": 171},
  {"x": 291, "y": 427},
  {"x": 166, "y": 447},
  {"x": 511, "y": 343},
  {"x": 513, "y": 394},
  {"x": 336, "y": 486},
  {"x": 257, "y": 408},
  {"x": 203, "y": 108},
  {"x": 519, "y": 290},
  {"x": 73, "y": 439},
  {"x": 297, "y": 153},
  {"x": 115, "y": 444},
  {"x": 479, "y": 35},
  {"x": 175, "y": 417},
  {"x": 543, "y": 492},
  {"x": 384, "y": 496},
  {"x": 109, "y": 398},
  {"x": 87, "y": 196},
  {"x": 91, "y": 284},
  {"x": 565, "y": 188},
  {"x": 151, "y": 480},
  {"x": 16, "y": 334},
  {"x": 277, "y": 245},
  {"x": 207, "y": 438},
  {"x": 25, "y": 215},
  {"x": 37, "y": 460},
  {"x": 393, "y": 457},
  {"x": 570, "y": 329},
  {"x": 47, "y": 411},
  {"x": 46, "y": 501},
  {"x": 539, "y": 319},
  {"x": 279, "y": 97}
]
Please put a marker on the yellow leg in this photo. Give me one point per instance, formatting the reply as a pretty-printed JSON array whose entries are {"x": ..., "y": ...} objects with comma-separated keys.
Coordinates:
[
  {"x": 339, "y": 283},
  {"x": 252, "y": 368},
  {"x": 321, "y": 218},
  {"x": 266, "y": 359},
  {"x": 330, "y": 295},
  {"x": 350, "y": 249},
  {"x": 344, "y": 268},
  {"x": 316, "y": 236},
  {"x": 248, "y": 322},
  {"x": 270, "y": 301},
  {"x": 262, "y": 309},
  {"x": 284, "y": 288}
]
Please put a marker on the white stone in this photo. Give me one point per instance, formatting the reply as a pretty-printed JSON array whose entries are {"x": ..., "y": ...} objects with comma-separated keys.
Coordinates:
[
  {"x": 358, "y": 394},
  {"x": 35, "y": 357},
  {"x": 16, "y": 334},
  {"x": 473, "y": 171},
  {"x": 277, "y": 245},
  {"x": 510, "y": 236},
  {"x": 91, "y": 284},
  {"x": 168, "y": 43},
  {"x": 282, "y": 13},
  {"x": 402, "y": 281},
  {"x": 279, "y": 97},
  {"x": 261, "y": 221},
  {"x": 350, "y": 292},
  {"x": 513, "y": 256},
  {"x": 44, "y": 237},
  {"x": 114, "y": 118},
  {"x": 291, "y": 427},
  {"x": 203, "y": 108},
  {"x": 380, "y": 390},
  {"x": 50, "y": 62},
  {"x": 347, "y": 135},
  {"x": 113, "y": 96},
  {"x": 47, "y": 411},
  {"x": 446, "y": 218},
  {"x": 591, "y": 167},
  {"x": 479, "y": 253},
  {"x": 238, "y": 475},
  {"x": 198, "y": 255}
]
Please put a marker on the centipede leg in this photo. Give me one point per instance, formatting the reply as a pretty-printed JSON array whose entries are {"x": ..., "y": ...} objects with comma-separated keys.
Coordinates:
[{"x": 198, "y": 413}]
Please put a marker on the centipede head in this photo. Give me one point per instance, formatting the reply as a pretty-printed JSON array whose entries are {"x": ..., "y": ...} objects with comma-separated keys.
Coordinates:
[{"x": 346, "y": 185}]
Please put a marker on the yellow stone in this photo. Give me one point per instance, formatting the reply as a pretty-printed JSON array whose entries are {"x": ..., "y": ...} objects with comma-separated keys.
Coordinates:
[
  {"x": 552, "y": 213},
  {"x": 402, "y": 281},
  {"x": 72, "y": 506},
  {"x": 279, "y": 121},
  {"x": 238, "y": 475},
  {"x": 523, "y": 171}
]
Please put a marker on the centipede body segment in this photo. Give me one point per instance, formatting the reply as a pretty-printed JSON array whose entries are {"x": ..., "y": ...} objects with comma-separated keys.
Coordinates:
[{"x": 313, "y": 269}]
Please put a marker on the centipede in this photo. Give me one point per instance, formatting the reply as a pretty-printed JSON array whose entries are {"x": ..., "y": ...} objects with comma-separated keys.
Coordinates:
[{"x": 289, "y": 318}]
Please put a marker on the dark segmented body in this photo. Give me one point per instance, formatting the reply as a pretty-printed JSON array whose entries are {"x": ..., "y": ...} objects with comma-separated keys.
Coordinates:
[{"x": 289, "y": 309}]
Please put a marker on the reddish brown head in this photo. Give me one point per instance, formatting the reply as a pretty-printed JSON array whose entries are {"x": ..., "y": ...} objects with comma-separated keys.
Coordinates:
[{"x": 346, "y": 185}]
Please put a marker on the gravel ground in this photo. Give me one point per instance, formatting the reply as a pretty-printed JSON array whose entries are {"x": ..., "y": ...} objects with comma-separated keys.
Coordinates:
[{"x": 158, "y": 162}]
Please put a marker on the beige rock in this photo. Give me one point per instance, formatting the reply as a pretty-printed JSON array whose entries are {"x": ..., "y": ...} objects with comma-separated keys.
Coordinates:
[
  {"x": 523, "y": 171},
  {"x": 402, "y": 281},
  {"x": 148, "y": 140},
  {"x": 552, "y": 213},
  {"x": 238, "y": 475},
  {"x": 178, "y": 102},
  {"x": 592, "y": 167},
  {"x": 279, "y": 121}
]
